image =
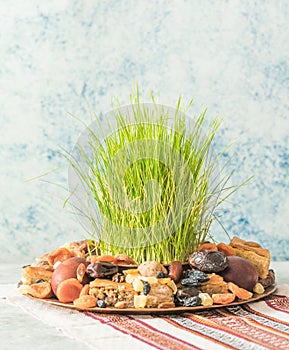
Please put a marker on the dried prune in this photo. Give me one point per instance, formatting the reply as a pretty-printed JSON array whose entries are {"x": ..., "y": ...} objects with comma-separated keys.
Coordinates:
[
  {"x": 199, "y": 275},
  {"x": 193, "y": 301},
  {"x": 184, "y": 293},
  {"x": 146, "y": 288},
  {"x": 208, "y": 261},
  {"x": 101, "y": 269},
  {"x": 190, "y": 282}
]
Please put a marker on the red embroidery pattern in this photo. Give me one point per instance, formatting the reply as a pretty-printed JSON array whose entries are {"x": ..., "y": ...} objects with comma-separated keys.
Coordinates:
[
  {"x": 279, "y": 303},
  {"x": 143, "y": 332}
]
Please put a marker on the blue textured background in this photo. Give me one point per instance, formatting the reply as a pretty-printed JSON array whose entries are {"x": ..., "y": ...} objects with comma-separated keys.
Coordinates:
[{"x": 58, "y": 56}]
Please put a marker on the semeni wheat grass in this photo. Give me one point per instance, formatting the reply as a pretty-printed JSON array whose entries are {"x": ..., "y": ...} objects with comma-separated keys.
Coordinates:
[{"x": 145, "y": 181}]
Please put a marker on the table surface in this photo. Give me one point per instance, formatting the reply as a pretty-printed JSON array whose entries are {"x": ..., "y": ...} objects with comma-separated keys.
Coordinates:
[{"x": 19, "y": 330}]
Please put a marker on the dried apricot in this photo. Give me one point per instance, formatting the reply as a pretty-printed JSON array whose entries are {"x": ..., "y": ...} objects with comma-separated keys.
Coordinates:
[
  {"x": 85, "y": 301},
  {"x": 80, "y": 272},
  {"x": 226, "y": 249},
  {"x": 241, "y": 293},
  {"x": 38, "y": 290},
  {"x": 97, "y": 258},
  {"x": 85, "y": 290},
  {"x": 207, "y": 246},
  {"x": 59, "y": 254},
  {"x": 69, "y": 290},
  {"x": 225, "y": 298},
  {"x": 123, "y": 259}
]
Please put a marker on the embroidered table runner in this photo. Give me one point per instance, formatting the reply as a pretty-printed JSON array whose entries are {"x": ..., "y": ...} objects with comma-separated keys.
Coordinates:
[{"x": 258, "y": 325}]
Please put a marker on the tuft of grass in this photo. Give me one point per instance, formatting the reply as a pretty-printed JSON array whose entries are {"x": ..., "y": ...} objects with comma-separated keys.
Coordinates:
[{"x": 152, "y": 185}]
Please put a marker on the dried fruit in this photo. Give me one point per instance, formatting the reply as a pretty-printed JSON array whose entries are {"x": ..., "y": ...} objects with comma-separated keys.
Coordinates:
[
  {"x": 101, "y": 269},
  {"x": 208, "y": 261},
  {"x": 140, "y": 301},
  {"x": 258, "y": 288},
  {"x": 207, "y": 246},
  {"x": 66, "y": 270},
  {"x": 85, "y": 290},
  {"x": 190, "y": 282},
  {"x": 240, "y": 293},
  {"x": 85, "y": 301},
  {"x": 185, "y": 292},
  {"x": 123, "y": 259},
  {"x": 40, "y": 290},
  {"x": 241, "y": 272},
  {"x": 150, "y": 280},
  {"x": 130, "y": 272},
  {"x": 176, "y": 271},
  {"x": 146, "y": 288},
  {"x": 199, "y": 275},
  {"x": 58, "y": 255},
  {"x": 206, "y": 299},
  {"x": 80, "y": 272},
  {"x": 69, "y": 290},
  {"x": 130, "y": 278},
  {"x": 137, "y": 285},
  {"x": 224, "y": 298},
  {"x": 226, "y": 249},
  {"x": 193, "y": 301},
  {"x": 101, "y": 303},
  {"x": 102, "y": 258}
]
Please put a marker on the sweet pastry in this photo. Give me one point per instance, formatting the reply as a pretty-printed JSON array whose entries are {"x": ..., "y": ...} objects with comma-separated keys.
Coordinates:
[
  {"x": 31, "y": 274},
  {"x": 112, "y": 292},
  {"x": 252, "y": 251}
]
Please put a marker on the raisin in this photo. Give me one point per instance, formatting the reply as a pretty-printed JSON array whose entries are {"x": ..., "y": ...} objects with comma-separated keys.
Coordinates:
[
  {"x": 161, "y": 274},
  {"x": 146, "y": 288},
  {"x": 193, "y": 301},
  {"x": 199, "y": 275},
  {"x": 190, "y": 282},
  {"x": 101, "y": 303}
]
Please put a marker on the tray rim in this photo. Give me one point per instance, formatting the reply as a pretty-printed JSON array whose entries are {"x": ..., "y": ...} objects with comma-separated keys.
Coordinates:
[{"x": 155, "y": 311}]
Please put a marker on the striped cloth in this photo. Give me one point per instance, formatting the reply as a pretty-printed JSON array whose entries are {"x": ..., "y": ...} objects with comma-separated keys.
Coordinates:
[{"x": 259, "y": 325}]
